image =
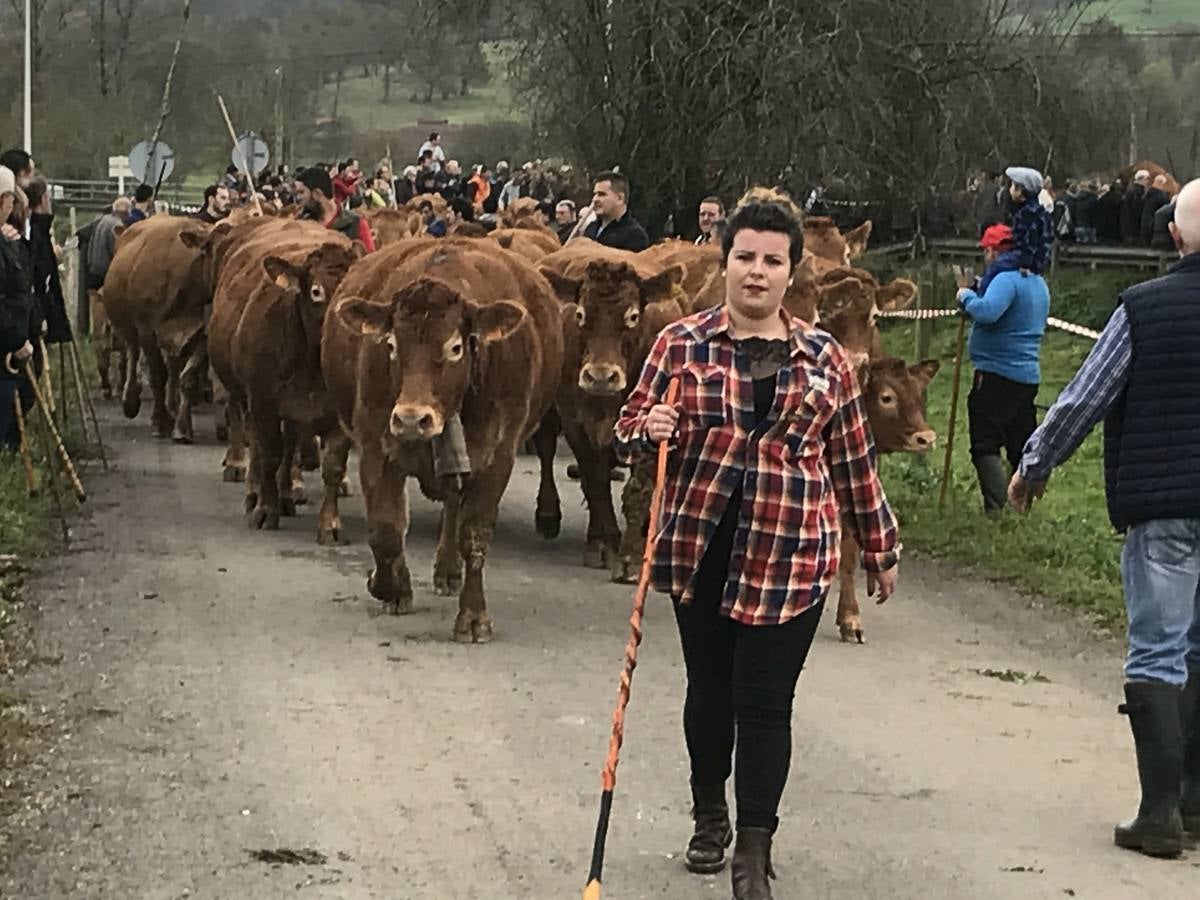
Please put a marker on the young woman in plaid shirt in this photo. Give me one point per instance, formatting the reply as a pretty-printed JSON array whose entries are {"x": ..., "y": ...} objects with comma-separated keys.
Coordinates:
[{"x": 771, "y": 455}]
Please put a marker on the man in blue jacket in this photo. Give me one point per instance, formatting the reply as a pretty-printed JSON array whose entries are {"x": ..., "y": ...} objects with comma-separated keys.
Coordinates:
[{"x": 1008, "y": 323}]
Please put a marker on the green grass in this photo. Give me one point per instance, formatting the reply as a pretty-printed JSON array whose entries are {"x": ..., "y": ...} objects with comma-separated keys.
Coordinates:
[
  {"x": 361, "y": 106},
  {"x": 1065, "y": 548},
  {"x": 1145, "y": 15}
]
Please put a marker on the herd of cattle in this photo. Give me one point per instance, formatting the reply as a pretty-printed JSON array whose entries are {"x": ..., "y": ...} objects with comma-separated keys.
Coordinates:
[{"x": 313, "y": 344}]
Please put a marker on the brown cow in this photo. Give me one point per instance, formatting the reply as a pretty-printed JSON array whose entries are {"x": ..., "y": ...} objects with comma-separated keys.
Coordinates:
[
  {"x": 154, "y": 295},
  {"x": 532, "y": 244},
  {"x": 823, "y": 239},
  {"x": 893, "y": 395},
  {"x": 614, "y": 304},
  {"x": 416, "y": 335},
  {"x": 523, "y": 211},
  {"x": 389, "y": 226},
  {"x": 264, "y": 340}
]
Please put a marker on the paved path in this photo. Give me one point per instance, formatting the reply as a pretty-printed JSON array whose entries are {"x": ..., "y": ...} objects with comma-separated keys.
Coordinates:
[{"x": 224, "y": 691}]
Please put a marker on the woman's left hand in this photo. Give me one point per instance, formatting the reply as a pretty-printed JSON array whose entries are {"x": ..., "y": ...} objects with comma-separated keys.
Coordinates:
[{"x": 883, "y": 582}]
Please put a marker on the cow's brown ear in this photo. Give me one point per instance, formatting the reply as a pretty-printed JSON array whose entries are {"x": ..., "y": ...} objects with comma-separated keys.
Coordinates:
[
  {"x": 808, "y": 265},
  {"x": 193, "y": 240},
  {"x": 924, "y": 371},
  {"x": 283, "y": 273},
  {"x": 358, "y": 249},
  {"x": 364, "y": 317},
  {"x": 505, "y": 241},
  {"x": 567, "y": 289},
  {"x": 863, "y": 373},
  {"x": 662, "y": 283},
  {"x": 495, "y": 321},
  {"x": 898, "y": 293},
  {"x": 839, "y": 295},
  {"x": 856, "y": 239},
  {"x": 120, "y": 230}
]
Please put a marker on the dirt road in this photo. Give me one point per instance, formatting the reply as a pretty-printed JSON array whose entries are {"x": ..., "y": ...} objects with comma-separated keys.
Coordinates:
[{"x": 223, "y": 692}]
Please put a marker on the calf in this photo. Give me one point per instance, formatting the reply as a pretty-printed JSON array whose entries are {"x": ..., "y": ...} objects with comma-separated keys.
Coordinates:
[
  {"x": 893, "y": 396},
  {"x": 614, "y": 305},
  {"x": 265, "y": 340},
  {"x": 416, "y": 335}
]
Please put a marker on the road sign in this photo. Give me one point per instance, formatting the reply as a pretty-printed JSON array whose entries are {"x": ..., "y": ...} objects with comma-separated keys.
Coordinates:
[
  {"x": 118, "y": 167},
  {"x": 147, "y": 163},
  {"x": 251, "y": 153}
]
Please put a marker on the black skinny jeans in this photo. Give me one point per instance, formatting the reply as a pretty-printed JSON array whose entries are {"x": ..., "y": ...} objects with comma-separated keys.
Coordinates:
[{"x": 740, "y": 683}]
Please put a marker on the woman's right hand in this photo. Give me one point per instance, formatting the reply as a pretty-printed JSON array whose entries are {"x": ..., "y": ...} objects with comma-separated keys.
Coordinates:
[{"x": 661, "y": 422}]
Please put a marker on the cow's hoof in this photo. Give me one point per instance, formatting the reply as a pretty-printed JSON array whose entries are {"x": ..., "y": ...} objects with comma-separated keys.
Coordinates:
[
  {"x": 222, "y": 433},
  {"x": 299, "y": 497},
  {"x": 287, "y": 506},
  {"x": 131, "y": 406},
  {"x": 344, "y": 488},
  {"x": 595, "y": 555},
  {"x": 105, "y": 392},
  {"x": 447, "y": 582},
  {"x": 625, "y": 570},
  {"x": 330, "y": 535},
  {"x": 548, "y": 524},
  {"x": 852, "y": 631},
  {"x": 233, "y": 474},
  {"x": 573, "y": 471},
  {"x": 473, "y": 628},
  {"x": 395, "y": 591},
  {"x": 250, "y": 502},
  {"x": 264, "y": 518},
  {"x": 180, "y": 437},
  {"x": 161, "y": 432}
]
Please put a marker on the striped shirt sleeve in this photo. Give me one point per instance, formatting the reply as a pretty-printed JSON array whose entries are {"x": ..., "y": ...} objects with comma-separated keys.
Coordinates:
[{"x": 1083, "y": 403}]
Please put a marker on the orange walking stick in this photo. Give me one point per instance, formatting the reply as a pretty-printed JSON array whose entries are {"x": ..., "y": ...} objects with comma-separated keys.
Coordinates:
[{"x": 608, "y": 779}]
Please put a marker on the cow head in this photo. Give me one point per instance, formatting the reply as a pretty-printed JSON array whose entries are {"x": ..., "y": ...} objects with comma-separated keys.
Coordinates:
[
  {"x": 311, "y": 280},
  {"x": 822, "y": 238},
  {"x": 433, "y": 338},
  {"x": 206, "y": 241},
  {"x": 609, "y": 306},
  {"x": 893, "y": 394},
  {"x": 848, "y": 313}
]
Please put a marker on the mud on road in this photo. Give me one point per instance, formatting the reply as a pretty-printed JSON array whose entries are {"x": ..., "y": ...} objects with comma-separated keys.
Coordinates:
[{"x": 236, "y": 719}]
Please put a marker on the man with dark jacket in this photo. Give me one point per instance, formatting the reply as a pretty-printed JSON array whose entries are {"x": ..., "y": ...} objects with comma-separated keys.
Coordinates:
[
  {"x": 1143, "y": 379},
  {"x": 1108, "y": 215},
  {"x": 47, "y": 285},
  {"x": 1131, "y": 208},
  {"x": 16, "y": 316},
  {"x": 314, "y": 193},
  {"x": 1156, "y": 199},
  {"x": 1160, "y": 231},
  {"x": 1087, "y": 210},
  {"x": 613, "y": 225}
]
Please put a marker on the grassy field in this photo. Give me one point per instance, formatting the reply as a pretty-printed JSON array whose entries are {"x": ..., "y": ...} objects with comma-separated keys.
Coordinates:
[
  {"x": 361, "y": 105},
  {"x": 1065, "y": 549},
  {"x": 1147, "y": 14}
]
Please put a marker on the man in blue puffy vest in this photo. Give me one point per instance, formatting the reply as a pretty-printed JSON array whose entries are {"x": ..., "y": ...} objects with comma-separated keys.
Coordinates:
[
  {"x": 1143, "y": 378},
  {"x": 1008, "y": 323}
]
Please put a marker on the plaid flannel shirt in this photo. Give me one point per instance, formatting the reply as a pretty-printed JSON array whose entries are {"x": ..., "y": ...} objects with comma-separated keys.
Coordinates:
[{"x": 810, "y": 459}]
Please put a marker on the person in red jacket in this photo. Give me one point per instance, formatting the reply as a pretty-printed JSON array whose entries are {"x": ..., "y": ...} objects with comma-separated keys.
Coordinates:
[{"x": 345, "y": 183}]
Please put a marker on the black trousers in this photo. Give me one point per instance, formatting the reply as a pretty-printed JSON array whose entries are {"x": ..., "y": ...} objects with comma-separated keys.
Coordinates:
[
  {"x": 1002, "y": 416},
  {"x": 740, "y": 683}
]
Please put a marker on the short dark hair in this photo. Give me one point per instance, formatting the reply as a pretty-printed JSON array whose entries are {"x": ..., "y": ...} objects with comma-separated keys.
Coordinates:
[
  {"x": 16, "y": 159},
  {"x": 35, "y": 191},
  {"x": 712, "y": 199},
  {"x": 425, "y": 206},
  {"x": 620, "y": 184},
  {"x": 143, "y": 193},
  {"x": 463, "y": 208},
  {"x": 317, "y": 179},
  {"x": 231, "y": 169},
  {"x": 210, "y": 192},
  {"x": 428, "y": 154},
  {"x": 435, "y": 135},
  {"x": 767, "y": 216}
]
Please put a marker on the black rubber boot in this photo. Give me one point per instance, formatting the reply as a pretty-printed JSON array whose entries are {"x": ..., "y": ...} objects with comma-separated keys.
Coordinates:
[
  {"x": 1190, "y": 807},
  {"x": 752, "y": 872},
  {"x": 706, "y": 850},
  {"x": 993, "y": 482},
  {"x": 1154, "y": 717}
]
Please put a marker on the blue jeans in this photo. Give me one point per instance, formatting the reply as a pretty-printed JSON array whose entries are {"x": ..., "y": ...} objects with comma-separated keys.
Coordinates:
[{"x": 1160, "y": 567}]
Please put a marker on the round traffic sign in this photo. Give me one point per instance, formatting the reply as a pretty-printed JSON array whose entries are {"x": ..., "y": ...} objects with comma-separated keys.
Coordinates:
[
  {"x": 151, "y": 163},
  {"x": 251, "y": 153}
]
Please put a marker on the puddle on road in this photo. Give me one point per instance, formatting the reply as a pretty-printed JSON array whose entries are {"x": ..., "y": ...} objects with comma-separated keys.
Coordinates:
[{"x": 284, "y": 856}]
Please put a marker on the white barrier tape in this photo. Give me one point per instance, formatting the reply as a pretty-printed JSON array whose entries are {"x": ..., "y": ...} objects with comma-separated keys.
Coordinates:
[{"x": 922, "y": 314}]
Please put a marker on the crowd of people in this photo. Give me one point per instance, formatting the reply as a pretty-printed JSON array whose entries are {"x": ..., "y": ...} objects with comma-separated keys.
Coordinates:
[{"x": 1136, "y": 214}]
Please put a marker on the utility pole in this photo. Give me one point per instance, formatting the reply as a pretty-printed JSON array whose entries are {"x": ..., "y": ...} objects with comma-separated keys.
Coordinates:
[
  {"x": 279, "y": 118},
  {"x": 29, "y": 76}
]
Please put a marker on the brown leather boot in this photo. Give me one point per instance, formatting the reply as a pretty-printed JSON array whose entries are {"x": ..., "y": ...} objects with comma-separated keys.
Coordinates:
[
  {"x": 752, "y": 864},
  {"x": 706, "y": 850}
]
